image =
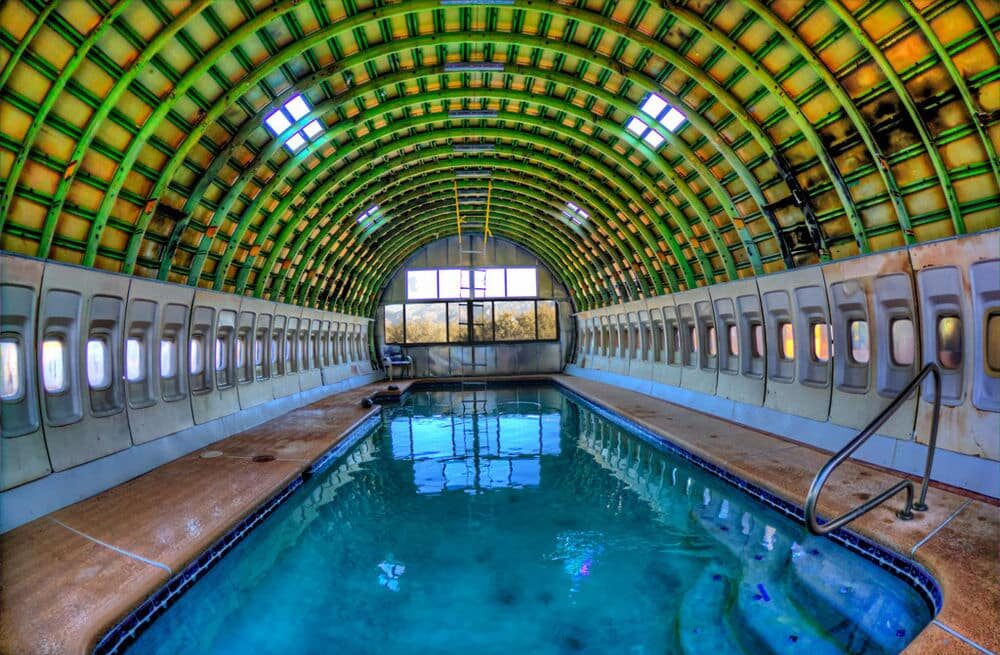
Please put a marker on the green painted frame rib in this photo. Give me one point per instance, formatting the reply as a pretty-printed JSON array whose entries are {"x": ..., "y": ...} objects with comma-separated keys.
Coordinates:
[
  {"x": 911, "y": 109},
  {"x": 442, "y": 182},
  {"x": 435, "y": 227},
  {"x": 527, "y": 175},
  {"x": 49, "y": 101},
  {"x": 430, "y": 191},
  {"x": 849, "y": 107},
  {"x": 109, "y": 102},
  {"x": 510, "y": 71},
  {"x": 314, "y": 38},
  {"x": 459, "y": 93},
  {"x": 427, "y": 197},
  {"x": 452, "y": 162},
  {"x": 365, "y": 266},
  {"x": 571, "y": 136},
  {"x": 364, "y": 271},
  {"x": 958, "y": 81},
  {"x": 590, "y": 164}
]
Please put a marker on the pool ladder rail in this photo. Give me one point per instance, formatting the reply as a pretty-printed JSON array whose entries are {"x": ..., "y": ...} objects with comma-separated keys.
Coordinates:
[{"x": 905, "y": 485}]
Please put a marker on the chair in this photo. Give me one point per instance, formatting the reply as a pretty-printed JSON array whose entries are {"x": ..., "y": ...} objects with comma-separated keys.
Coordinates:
[{"x": 393, "y": 356}]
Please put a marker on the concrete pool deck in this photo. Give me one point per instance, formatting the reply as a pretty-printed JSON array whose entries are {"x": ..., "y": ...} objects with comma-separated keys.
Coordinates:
[{"x": 68, "y": 577}]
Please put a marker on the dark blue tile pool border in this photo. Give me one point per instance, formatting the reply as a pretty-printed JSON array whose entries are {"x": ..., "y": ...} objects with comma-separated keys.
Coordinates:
[
  {"x": 129, "y": 628},
  {"x": 908, "y": 570}
]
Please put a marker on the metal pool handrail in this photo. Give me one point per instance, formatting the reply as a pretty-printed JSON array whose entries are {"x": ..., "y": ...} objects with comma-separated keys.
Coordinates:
[{"x": 812, "y": 498}]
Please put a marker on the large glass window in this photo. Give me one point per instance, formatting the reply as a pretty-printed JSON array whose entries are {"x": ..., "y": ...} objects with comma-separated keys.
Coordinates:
[
  {"x": 495, "y": 283},
  {"x": 451, "y": 283},
  {"x": 547, "y": 320},
  {"x": 394, "y": 324},
  {"x": 425, "y": 323},
  {"x": 514, "y": 320},
  {"x": 498, "y": 320},
  {"x": 522, "y": 282},
  {"x": 458, "y": 330},
  {"x": 421, "y": 285}
]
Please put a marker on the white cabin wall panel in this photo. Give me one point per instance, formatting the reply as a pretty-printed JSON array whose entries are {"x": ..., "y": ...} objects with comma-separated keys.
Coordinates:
[
  {"x": 740, "y": 375},
  {"x": 698, "y": 372},
  {"x": 23, "y": 453},
  {"x": 944, "y": 273},
  {"x": 311, "y": 375},
  {"x": 879, "y": 291},
  {"x": 259, "y": 390},
  {"x": 222, "y": 397},
  {"x": 288, "y": 382},
  {"x": 92, "y": 431},
  {"x": 799, "y": 385},
  {"x": 668, "y": 370},
  {"x": 149, "y": 416}
]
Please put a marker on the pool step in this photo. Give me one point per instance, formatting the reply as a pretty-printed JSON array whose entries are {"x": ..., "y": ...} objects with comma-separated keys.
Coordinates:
[
  {"x": 701, "y": 627},
  {"x": 824, "y": 578}
]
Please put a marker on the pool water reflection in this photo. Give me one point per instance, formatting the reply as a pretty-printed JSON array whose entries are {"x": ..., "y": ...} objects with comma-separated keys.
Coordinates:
[{"x": 535, "y": 526}]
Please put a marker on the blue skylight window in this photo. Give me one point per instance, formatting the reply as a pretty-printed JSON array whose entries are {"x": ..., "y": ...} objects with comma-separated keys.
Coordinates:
[
  {"x": 282, "y": 118},
  {"x": 575, "y": 213},
  {"x": 672, "y": 119},
  {"x": 657, "y": 108},
  {"x": 369, "y": 217}
]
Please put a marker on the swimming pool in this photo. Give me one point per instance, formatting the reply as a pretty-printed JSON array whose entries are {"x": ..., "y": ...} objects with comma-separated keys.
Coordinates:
[{"x": 539, "y": 524}]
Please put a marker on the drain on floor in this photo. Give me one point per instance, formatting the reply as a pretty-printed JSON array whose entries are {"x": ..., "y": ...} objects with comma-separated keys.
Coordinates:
[
  {"x": 263, "y": 458},
  {"x": 211, "y": 454}
]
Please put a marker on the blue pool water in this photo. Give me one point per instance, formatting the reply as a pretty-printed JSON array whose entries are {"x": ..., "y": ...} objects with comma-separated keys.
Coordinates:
[{"x": 537, "y": 527}]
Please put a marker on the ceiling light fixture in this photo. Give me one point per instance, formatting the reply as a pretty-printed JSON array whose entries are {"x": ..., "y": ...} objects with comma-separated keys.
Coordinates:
[
  {"x": 473, "y": 67},
  {"x": 460, "y": 3},
  {"x": 474, "y": 147},
  {"x": 472, "y": 113}
]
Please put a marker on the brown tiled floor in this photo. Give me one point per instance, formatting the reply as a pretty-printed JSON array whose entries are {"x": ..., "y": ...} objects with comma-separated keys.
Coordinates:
[{"x": 60, "y": 589}]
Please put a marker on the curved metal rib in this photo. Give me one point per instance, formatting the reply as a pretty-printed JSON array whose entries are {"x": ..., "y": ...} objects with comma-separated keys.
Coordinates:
[{"x": 812, "y": 498}]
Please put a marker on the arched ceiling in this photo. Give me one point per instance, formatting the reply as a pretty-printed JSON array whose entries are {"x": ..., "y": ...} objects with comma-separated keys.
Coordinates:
[{"x": 133, "y": 136}]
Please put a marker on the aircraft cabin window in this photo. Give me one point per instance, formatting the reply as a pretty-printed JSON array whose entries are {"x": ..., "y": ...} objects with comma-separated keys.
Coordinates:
[
  {"x": 734, "y": 340},
  {"x": 993, "y": 343},
  {"x": 787, "y": 351},
  {"x": 712, "y": 347},
  {"x": 902, "y": 338},
  {"x": 758, "y": 340},
  {"x": 197, "y": 354},
  {"x": 822, "y": 349},
  {"x": 220, "y": 354},
  {"x": 860, "y": 349},
  {"x": 168, "y": 358},
  {"x": 949, "y": 346},
  {"x": 135, "y": 367},
  {"x": 98, "y": 364},
  {"x": 241, "y": 356},
  {"x": 54, "y": 365},
  {"x": 10, "y": 364},
  {"x": 693, "y": 335}
]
